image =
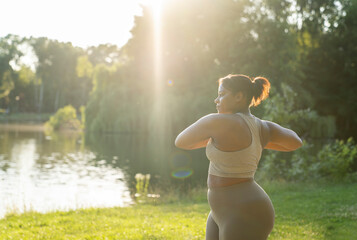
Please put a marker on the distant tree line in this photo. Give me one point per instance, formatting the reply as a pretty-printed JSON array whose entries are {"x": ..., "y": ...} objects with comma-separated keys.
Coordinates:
[
  {"x": 43, "y": 75},
  {"x": 306, "y": 48}
]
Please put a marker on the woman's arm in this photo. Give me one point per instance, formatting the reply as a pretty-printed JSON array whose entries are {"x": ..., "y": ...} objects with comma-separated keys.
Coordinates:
[
  {"x": 282, "y": 139},
  {"x": 276, "y": 147},
  {"x": 198, "y": 134}
]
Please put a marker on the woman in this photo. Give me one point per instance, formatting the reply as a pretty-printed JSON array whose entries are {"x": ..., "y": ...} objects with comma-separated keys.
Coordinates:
[{"x": 234, "y": 140}]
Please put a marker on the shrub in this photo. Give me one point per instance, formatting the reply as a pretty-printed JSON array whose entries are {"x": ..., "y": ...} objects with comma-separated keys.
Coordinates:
[
  {"x": 303, "y": 164},
  {"x": 64, "y": 117},
  {"x": 294, "y": 166},
  {"x": 337, "y": 161},
  {"x": 334, "y": 162}
]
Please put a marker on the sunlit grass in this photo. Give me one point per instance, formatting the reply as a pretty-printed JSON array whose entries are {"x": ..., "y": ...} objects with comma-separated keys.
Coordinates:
[
  {"x": 303, "y": 211},
  {"x": 312, "y": 211},
  {"x": 139, "y": 222}
]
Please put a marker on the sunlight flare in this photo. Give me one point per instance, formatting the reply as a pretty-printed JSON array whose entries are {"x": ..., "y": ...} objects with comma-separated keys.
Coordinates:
[{"x": 157, "y": 11}]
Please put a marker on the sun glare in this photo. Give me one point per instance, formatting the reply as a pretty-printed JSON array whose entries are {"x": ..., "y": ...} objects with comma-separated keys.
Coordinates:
[
  {"x": 156, "y": 10},
  {"x": 156, "y": 5},
  {"x": 159, "y": 112}
]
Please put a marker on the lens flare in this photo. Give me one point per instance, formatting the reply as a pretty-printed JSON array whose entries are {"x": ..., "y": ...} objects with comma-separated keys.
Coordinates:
[
  {"x": 170, "y": 83},
  {"x": 182, "y": 173},
  {"x": 181, "y": 165}
]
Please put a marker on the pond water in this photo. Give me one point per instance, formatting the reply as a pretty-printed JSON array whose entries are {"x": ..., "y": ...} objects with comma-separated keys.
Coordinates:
[{"x": 68, "y": 170}]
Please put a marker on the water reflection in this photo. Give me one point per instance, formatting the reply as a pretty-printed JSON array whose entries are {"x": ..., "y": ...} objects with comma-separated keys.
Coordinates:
[
  {"x": 139, "y": 153},
  {"x": 68, "y": 170},
  {"x": 46, "y": 174}
]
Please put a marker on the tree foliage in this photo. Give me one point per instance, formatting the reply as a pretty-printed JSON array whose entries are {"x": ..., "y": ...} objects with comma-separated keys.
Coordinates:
[
  {"x": 305, "y": 48},
  {"x": 66, "y": 118}
]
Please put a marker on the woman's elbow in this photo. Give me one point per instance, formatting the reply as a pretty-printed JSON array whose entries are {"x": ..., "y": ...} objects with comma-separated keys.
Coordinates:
[
  {"x": 179, "y": 143},
  {"x": 298, "y": 144},
  {"x": 294, "y": 145}
]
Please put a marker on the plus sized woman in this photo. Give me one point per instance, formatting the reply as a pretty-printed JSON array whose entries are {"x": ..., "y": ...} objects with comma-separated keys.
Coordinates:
[{"x": 234, "y": 140}]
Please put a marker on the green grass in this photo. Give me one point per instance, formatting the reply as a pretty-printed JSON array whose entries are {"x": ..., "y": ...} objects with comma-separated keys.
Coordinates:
[
  {"x": 310, "y": 211},
  {"x": 303, "y": 211}
]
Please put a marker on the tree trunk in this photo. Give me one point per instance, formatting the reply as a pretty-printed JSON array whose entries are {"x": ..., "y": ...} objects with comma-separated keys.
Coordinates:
[
  {"x": 57, "y": 100},
  {"x": 41, "y": 98}
]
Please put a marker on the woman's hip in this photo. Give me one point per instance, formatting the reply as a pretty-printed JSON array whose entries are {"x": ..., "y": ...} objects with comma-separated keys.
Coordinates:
[{"x": 244, "y": 201}]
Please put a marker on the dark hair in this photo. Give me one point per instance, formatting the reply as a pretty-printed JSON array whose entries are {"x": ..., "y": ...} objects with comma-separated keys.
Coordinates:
[{"x": 256, "y": 90}]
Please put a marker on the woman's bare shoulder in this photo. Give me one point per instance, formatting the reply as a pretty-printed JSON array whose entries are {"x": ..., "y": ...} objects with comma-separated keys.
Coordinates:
[
  {"x": 223, "y": 118},
  {"x": 214, "y": 117},
  {"x": 222, "y": 122}
]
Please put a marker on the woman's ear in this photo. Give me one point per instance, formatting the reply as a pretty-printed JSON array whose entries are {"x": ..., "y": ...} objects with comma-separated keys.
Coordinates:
[{"x": 239, "y": 96}]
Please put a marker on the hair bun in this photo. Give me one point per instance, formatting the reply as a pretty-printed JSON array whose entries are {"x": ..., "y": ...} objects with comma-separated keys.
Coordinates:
[{"x": 260, "y": 90}]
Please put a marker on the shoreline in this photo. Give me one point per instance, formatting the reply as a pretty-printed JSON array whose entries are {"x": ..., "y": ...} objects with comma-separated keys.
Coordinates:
[{"x": 26, "y": 127}]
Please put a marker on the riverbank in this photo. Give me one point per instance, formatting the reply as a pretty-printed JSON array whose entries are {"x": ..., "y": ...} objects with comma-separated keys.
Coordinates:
[
  {"x": 303, "y": 211},
  {"x": 35, "y": 127},
  {"x": 36, "y": 118}
]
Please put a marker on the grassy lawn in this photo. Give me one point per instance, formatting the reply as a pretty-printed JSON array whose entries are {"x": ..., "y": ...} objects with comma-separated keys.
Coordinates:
[
  {"x": 306, "y": 211},
  {"x": 303, "y": 211}
]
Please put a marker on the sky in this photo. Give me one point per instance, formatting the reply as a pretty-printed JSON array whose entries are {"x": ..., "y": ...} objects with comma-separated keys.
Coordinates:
[{"x": 82, "y": 22}]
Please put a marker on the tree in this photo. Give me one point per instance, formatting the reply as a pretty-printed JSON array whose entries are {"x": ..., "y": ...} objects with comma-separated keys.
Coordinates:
[
  {"x": 8, "y": 53},
  {"x": 331, "y": 72},
  {"x": 57, "y": 70}
]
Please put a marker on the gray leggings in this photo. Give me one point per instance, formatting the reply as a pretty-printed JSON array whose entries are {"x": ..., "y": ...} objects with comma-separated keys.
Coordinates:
[{"x": 241, "y": 212}]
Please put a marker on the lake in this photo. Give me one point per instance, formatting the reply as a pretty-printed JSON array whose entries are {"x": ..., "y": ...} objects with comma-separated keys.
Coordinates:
[{"x": 68, "y": 170}]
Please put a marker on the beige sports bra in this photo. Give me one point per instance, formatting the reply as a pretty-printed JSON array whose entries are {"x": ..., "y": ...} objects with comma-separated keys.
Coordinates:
[{"x": 238, "y": 164}]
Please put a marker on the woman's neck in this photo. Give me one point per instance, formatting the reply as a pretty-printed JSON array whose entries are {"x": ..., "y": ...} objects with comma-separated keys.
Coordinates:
[{"x": 245, "y": 111}]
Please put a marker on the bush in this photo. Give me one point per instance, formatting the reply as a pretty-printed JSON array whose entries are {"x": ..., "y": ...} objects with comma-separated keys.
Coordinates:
[
  {"x": 337, "y": 161},
  {"x": 334, "y": 162},
  {"x": 303, "y": 164},
  {"x": 289, "y": 166},
  {"x": 65, "y": 117}
]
